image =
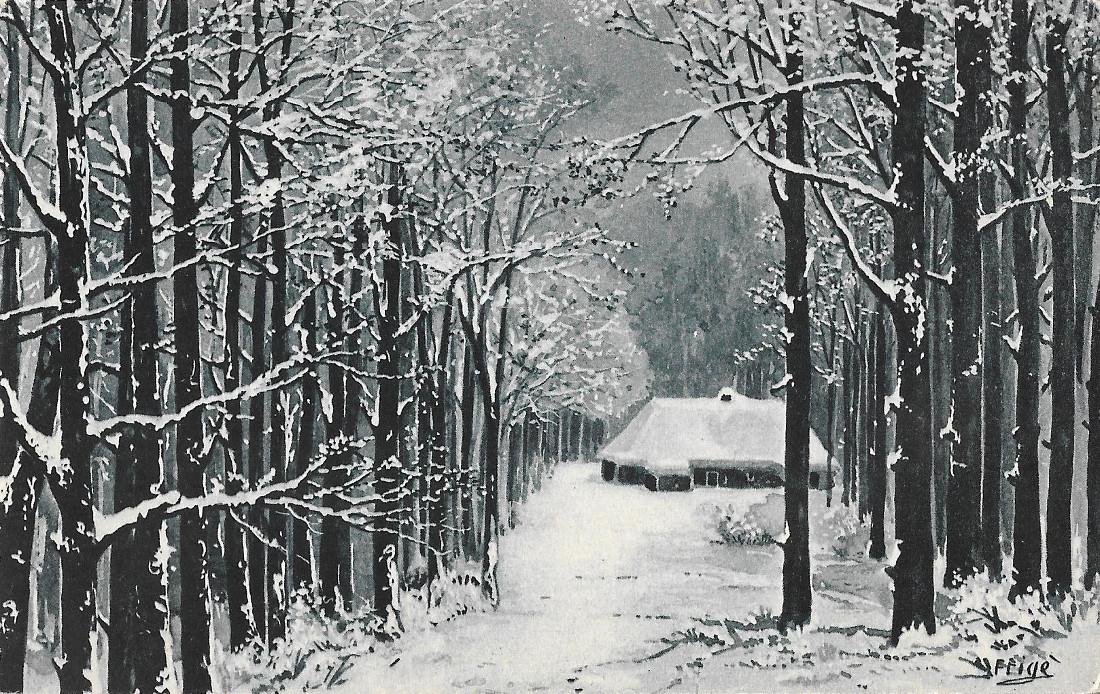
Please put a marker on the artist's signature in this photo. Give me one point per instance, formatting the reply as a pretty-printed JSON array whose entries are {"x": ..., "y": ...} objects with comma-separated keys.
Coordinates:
[{"x": 1015, "y": 671}]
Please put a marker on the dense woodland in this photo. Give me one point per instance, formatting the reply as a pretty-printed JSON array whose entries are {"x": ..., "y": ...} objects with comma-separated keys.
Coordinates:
[
  {"x": 933, "y": 167},
  {"x": 301, "y": 299}
]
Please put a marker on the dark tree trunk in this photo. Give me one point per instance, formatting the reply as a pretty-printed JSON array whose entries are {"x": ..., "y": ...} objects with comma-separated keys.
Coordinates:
[
  {"x": 830, "y": 410},
  {"x": 466, "y": 461},
  {"x": 138, "y": 616},
  {"x": 1062, "y": 376},
  {"x": 514, "y": 453},
  {"x": 17, "y": 513},
  {"x": 846, "y": 409},
  {"x": 73, "y": 493},
  {"x": 1092, "y": 484},
  {"x": 241, "y": 629},
  {"x": 1027, "y": 531},
  {"x": 876, "y": 487},
  {"x": 565, "y": 418},
  {"x": 257, "y": 448},
  {"x": 334, "y": 551},
  {"x": 194, "y": 598},
  {"x": 423, "y": 394},
  {"x": 864, "y": 420},
  {"x": 964, "y": 483},
  {"x": 1086, "y": 218},
  {"x": 914, "y": 589},
  {"x": 17, "y": 519},
  {"x": 387, "y": 460},
  {"x": 490, "y": 480},
  {"x": 992, "y": 349},
  {"x": 276, "y": 552},
  {"x": 280, "y": 330},
  {"x": 1086, "y": 213},
  {"x": 852, "y": 434},
  {"x": 300, "y": 568},
  {"x": 939, "y": 345},
  {"x": 797, "y": 598},
  {"x": 437, "y": 481},
  {"x": 531, "y": 448}
]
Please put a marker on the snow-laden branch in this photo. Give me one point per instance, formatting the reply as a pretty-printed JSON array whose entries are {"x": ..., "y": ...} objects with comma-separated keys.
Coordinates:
[
  {"x": 46, "y": 448},
  {"x": 173, "y": 503},
  {"x": 991, "y": 218},
  {"x": 775, "y": 94},
  {"x": 279, "y": 376},
  {"x": 14, "y": 165},
  {"x": 886, "y": 199},
  {"x": 882, "y": 289},
  {"x": 877, "y": 10}
]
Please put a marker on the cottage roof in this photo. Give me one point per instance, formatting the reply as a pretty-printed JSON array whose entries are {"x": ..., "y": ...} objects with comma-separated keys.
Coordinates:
[{"x": 670, "y": 433}]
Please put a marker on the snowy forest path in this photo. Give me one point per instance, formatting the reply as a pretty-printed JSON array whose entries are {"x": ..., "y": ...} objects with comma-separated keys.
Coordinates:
[{"x": 592, "y": 578}]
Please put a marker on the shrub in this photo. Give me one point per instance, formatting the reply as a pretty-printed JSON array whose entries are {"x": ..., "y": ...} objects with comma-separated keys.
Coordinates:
[
  {"x": 993, "y": 628},
  {"x": 757, "y": 526},
  {"x": 742, "y": 530},
  {"x": 840, "y": 531},
  {"x": 319, "y": 650}
]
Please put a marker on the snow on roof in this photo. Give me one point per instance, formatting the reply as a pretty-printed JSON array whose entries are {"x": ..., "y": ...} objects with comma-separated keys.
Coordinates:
[{"x": 670, "y": 432}]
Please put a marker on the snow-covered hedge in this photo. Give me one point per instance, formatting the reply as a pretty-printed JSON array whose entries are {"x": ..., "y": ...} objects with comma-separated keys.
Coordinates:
[
  {"x": 319, "y": 651},
  {"x": 758, "y": 525},
  {"x": 838, "y": 530},
  {"x": 991, "y": 628}
]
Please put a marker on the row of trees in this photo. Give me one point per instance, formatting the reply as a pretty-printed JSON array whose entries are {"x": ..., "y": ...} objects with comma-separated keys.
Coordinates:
[
  {"x": 933, "y": 164},
  {"x": 278, "y": 278}
]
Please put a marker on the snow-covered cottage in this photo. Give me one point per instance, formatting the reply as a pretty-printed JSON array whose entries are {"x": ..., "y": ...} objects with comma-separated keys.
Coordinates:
[{"x": 732, "y": 440}]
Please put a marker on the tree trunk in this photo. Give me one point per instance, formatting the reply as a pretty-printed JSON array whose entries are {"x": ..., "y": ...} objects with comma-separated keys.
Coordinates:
[
  {"x": 939, "y": 345},
  {"x": 194, "y": 600},
  {"x": 73, "y": 493},
  {"x": 846, "y": 408},
  {"x": 797, "y": 598},
  {"x": 257, "y": 448},
  {"x": 334, "y": 552},
  {"x": 437, "y": 482},
  {"x": 138, "y": 614},
  {"x": 865, "y": 421},
  {"x": 491, "y": 510},
  {"x": 241, "y": 630},
  {"x": 876, "y": 486},
  {"x": 511, "y": 486},
  {"x": 1062, "y": 377},
  {"x": 914, "y": 590},
  {"x": 1092, "y": 484},
  {"x": 387, "y": 460},
  {"x": 1027, "y": 531},
  {"x": 466, "y": 460},
  {"x": 1086, "y": 213},
  {"x": 852, "y": 435},
  {"x": 1086, "y": 219},
  {"x": 276, "y": 559},
  {"x": 830, "y": 412},
  {"x": 300, "y": 568},
  {"x": 18, "y": 517},
  {"x": 17, "y": 509},
  {"x": 277, "y": 446},
  {"x": 992, "y": 343},
  {"x": 964, "y": 483}
]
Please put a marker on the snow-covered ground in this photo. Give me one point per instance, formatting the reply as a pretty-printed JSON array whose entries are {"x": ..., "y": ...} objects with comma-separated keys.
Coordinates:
[
  {"x": 592, "y": 578},
  {"x": 611, "y": 588}
]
